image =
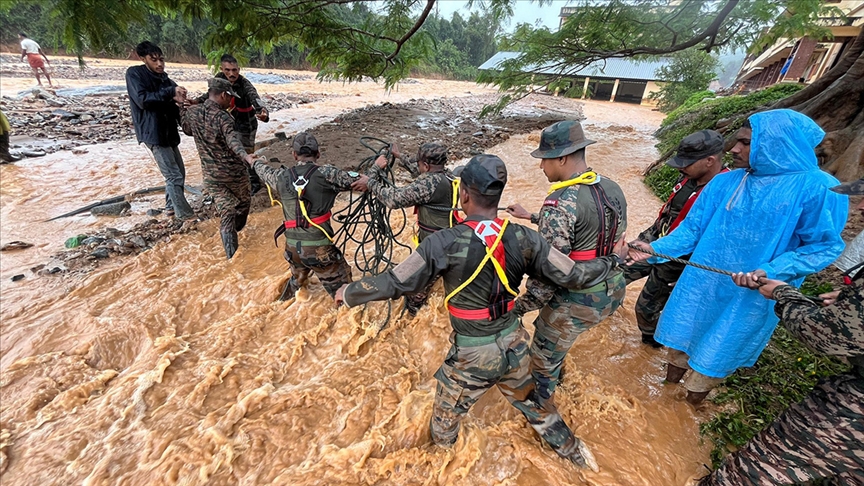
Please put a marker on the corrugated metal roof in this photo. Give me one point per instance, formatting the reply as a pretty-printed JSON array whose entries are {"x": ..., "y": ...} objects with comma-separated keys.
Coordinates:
[{"x": 610, "y": 68}]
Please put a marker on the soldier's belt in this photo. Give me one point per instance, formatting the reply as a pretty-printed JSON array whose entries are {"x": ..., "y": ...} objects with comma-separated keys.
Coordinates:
[
  {"x": 600, "y": 287},
  {"x": 468, "y": 341}
]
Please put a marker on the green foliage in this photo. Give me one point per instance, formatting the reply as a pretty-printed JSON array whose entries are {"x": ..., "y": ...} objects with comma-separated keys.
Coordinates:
[
  {"x": 641, "y": 29},
  {"x": 695, "y": 115},
  {"x": 688, "y": 73},
  {"x": 753, "y": 397},
  {"x": 693, "y": 100}
]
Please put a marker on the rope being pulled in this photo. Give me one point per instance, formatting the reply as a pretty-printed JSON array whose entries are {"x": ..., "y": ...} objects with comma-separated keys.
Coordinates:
[{"x": 685, "y": 262}]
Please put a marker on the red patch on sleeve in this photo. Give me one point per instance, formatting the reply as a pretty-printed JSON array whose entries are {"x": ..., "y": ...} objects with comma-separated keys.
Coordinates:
[{"x": 551, "y": 202}]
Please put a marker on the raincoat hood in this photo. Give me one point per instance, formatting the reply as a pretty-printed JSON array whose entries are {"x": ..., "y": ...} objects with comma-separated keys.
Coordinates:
[{"x": 782, "y": 142}]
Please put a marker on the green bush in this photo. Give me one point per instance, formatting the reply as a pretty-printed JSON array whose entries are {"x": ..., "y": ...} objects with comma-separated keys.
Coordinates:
[
  {"x": 695, "y": 115},
  {"x": 753, "y": 397}
]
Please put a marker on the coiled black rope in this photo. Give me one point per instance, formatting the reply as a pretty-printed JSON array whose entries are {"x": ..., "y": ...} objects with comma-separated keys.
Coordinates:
[{"x": 366, "y": 221}]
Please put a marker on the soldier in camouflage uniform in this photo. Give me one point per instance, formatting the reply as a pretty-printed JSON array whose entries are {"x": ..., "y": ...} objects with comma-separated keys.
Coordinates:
[
  {"x": 481, "y": 261},
  {"x": 222, "y": 159},
  {"x": 699, "y": 159},
  {"x": 583, "y": 216},
  {"x": 311, "y": 188},
  {"x": 247, "y": 109},
  {"x": 821, "y": 437},
  {"x": 432, "y": 191}
]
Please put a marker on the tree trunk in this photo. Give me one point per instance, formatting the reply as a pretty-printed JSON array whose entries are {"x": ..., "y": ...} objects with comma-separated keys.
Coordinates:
[{"x": 836, "y": 103}]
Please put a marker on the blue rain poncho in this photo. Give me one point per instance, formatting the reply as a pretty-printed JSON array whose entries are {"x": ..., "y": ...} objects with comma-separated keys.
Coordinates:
[{"x": 779, "y": 217}]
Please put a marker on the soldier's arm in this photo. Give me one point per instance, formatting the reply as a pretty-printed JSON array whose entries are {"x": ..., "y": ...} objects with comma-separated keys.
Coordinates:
[
  {"x": 226, "y": 126},
  {"x": 252, "y": 95},
  {"x": 836, "y": 330},
  {"x": 186, "y": 121},
  {"x": 550, "y": 264},
  {"x": 202, "y": 98},
  {"x": 410, "y": 165},
  {"x": 410, "y": 276},
  {"x": 537, "y": 294},
  {"x": 555, "y": 229},
  {"x": 418, "y": 192},
  {"x": 341, "y": 179},
  {"x": 267, "y": 174}
]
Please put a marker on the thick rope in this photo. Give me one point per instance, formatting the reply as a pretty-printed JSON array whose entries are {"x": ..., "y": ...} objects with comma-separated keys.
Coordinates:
[{"x": 678, "y": 260}]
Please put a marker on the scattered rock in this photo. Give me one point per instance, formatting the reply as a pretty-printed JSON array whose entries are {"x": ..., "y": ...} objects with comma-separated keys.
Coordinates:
[
  {"x": 15, "y": 245},
  {"x": 114, "y": 209},
  {"x": 18, "y": 277},
  {"x": 100, "y": 253},
  {"x": 477, "y": 134},
  {"x": 154, "y": 212},
  {"x": 93, "y": 240},
  {"x": 138, "y": 241},
  {"x": 79, "y": 151},
  {"x": 37, "y": 268}
]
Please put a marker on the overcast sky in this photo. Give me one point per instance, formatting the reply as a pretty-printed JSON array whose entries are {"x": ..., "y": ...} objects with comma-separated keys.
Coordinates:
[{"x": 524, "y": 11}]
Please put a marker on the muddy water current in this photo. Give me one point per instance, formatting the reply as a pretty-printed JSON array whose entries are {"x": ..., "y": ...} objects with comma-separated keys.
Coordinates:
[{"x": 175, "y": 366}]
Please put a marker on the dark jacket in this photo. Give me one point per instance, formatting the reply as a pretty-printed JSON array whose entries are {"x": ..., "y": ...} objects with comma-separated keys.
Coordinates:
[{"x": 154, "y": 113}]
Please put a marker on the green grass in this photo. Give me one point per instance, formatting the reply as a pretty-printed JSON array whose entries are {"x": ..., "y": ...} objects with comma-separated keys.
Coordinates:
[{"x": 753, "y": 397}]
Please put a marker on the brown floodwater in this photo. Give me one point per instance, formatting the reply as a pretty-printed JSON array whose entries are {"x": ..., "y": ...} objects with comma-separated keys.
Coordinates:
[{"x": 176, "y": 366}]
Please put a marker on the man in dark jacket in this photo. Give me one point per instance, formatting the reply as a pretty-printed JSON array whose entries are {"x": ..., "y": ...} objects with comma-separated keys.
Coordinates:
[
  {"x": 154, "y": 99},
  {"x": 247, "y": 108}
]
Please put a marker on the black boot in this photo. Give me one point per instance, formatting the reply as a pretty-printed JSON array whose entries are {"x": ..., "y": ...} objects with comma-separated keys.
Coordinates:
[
  {"x": 411, "y": 307},
  {"x": 290, "y": 289},
  {"x": 229, "y": 242},
  {"x": 650, "y": 341},
  {"x": 695, "y": 398},
  {"x": 674, "y": 373}
]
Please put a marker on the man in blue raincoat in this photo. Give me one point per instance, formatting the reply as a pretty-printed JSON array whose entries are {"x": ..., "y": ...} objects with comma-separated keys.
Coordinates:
[{"x": 776, "y": 218}]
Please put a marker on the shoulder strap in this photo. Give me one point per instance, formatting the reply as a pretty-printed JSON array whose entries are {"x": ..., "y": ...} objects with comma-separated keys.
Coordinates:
[{"x": 491, "y": 236}]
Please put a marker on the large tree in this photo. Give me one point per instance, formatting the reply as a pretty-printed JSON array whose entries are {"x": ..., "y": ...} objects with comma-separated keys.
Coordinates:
[{"x": 348, "y": 42}]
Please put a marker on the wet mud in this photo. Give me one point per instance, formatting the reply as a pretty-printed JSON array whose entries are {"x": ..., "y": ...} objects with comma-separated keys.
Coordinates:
[{"x": 175, "y": 366}]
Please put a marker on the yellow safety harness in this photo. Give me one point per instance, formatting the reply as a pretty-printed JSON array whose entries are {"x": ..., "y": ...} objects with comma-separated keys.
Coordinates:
[
  {"x": 589, "y": 177},
  {"x": 300, "y": 187},
  {"x": 415, "y": 240},
  {"x": 489, "y": 256}
]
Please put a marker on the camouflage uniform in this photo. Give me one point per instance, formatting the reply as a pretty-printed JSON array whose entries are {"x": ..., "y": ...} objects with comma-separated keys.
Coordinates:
[
  {"x": 307, "y": 249},
  {"x": 223, "y": 166},
  {"x": 822, "y": 436},
  {"x": 493, "y": 350},
  {"x": 430, "y": 189},
  {"x": 570, "y": 222},
  {"x": 244, "y": 108}
]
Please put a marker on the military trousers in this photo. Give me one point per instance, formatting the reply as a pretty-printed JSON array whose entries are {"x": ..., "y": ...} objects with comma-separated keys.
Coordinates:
[
  {"x": 233, "y": 201},
  {"x": 248, "y": 141},
  {"x": 821, "y": 437},
  {"x": 655, "y": 293},
  {"x": 326, "y": 261},
  {"x": 468, "y": 372},
  {"x": 567, "y": 315}
]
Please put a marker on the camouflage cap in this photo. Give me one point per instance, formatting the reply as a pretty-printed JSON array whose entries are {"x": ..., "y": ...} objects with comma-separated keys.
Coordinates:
[
  {"x": 221, "y": 85},
  {"x": 432, "y": 153},
  {"x": 560, "y": 139},
  {"x": 305, "y": 144},
  {"x": 854, "y": 188},
  {"x": 485, "y": 173},
  {"x": 696, "y": 146}
]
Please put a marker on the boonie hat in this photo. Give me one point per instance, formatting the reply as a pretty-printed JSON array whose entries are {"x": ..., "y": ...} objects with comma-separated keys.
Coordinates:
[
  {"x": 222, "y": 85},
  {"x": 305, "y": 144},
  {"x": 854, "y": 188},
  {"x": 696, "y": 146},
  {"x": 433, "y": 153},
  {"x": 485, "y": 173},
  {"x": 562, "y": 138}
]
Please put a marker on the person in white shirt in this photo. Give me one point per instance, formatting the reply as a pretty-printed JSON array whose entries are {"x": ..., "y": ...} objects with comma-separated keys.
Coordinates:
[{"x": 31, "y": 50}]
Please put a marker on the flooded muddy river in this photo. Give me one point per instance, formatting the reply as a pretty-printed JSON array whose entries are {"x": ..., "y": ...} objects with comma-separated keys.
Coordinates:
[{"x": 176, "y": 366}]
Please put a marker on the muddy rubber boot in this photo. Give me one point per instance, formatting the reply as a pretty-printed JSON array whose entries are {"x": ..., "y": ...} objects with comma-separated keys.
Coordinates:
[
  {"x": 229, "y": 242},
  {"x": 674, "y": 373},
  {"x": 695, "y": 398},
  {"x": 650, "y": 341},
  {"x": 290, "y": 289},
  {"x": 583, "y": 457}
]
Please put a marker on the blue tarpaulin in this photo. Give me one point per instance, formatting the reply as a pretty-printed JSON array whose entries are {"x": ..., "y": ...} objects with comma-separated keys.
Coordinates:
[{"x": 779, "y": 217}]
